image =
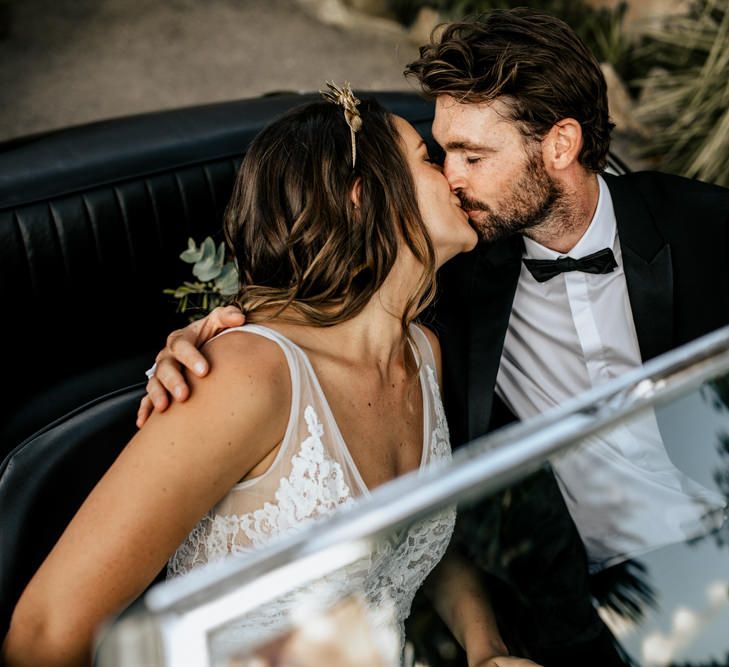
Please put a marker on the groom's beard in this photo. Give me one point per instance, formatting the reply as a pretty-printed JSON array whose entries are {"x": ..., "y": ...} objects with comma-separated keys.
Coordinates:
[{"x": 532, "y": 198}]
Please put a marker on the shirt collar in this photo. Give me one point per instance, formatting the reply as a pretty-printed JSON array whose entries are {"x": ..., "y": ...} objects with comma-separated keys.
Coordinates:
[{"x": 601, "y": 233}]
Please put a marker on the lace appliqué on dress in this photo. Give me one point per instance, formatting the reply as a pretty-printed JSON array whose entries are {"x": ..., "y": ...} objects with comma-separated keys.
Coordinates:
[
  {"x": 402, "y": 562},
  {"x": 314, "y": 488},
  {"x": 440, "y": 438}
]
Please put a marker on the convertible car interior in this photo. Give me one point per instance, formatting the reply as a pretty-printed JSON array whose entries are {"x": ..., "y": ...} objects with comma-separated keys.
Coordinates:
[{"x": 92, "y": 223}]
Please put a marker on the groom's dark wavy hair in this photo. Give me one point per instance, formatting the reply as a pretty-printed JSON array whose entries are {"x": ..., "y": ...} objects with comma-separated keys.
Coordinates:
[
  {"x": 301, "y": 245},
  {"x": 533, "y": 62}
]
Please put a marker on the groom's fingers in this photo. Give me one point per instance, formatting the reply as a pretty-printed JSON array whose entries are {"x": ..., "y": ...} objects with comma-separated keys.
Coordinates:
[
  {"x": 219, "y": 319},
  {"x": 508, "y": 661},
  {"x": 230, "y": 316},
  {"x": 182, "y": 350},
  {"x": 156, "y": 399},
  {"x": 157, "y": 394},
  {"x": 169, "y": 382},
  {"x": 146, "y": 407},
  {"x": 183, "y": 346}
]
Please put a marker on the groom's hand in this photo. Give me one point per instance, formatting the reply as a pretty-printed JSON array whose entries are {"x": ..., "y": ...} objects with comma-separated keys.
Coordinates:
[
  {"x": 505, "y": 661},
  {"x": 182, "y": 350}
]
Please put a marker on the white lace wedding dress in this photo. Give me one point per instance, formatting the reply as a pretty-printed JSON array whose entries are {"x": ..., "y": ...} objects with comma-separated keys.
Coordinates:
[{"x": 312, "y": 476}]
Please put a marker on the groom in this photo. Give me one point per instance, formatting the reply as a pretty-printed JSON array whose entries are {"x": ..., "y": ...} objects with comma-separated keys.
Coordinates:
[{"x": 521, "y": 114}]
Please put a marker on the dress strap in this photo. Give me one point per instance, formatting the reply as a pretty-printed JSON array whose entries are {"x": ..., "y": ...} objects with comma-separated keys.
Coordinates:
[
  {"x": 288, "y": 346},
  {"x": 424, "y": 348},
  {"x": 289, "y": 350}
]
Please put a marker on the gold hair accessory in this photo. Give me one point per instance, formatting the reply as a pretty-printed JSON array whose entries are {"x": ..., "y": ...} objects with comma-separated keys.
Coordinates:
[{"x": 345, "y": 98}]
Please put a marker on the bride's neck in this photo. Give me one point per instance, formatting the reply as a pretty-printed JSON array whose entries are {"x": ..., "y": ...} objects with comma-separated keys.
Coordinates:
[{"x": 372, "y": 337}]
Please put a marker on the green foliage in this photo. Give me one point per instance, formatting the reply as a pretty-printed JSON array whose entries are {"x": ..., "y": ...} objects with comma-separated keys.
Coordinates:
[
  {"x": 685, "y": 99},
  {"x": 216, "y": 279}
]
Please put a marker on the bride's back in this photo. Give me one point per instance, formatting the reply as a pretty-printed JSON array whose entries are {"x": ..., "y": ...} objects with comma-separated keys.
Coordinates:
[{"x": 312, "y": 474}]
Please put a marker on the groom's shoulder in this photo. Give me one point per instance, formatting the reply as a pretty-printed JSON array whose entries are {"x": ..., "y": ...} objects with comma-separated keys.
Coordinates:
[
  {"x": 485, "y": 257},
  {"x": 669, "y": 191}
]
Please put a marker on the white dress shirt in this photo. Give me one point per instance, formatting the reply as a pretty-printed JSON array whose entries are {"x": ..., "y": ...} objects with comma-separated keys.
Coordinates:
[{"x": 565, "y": 336}]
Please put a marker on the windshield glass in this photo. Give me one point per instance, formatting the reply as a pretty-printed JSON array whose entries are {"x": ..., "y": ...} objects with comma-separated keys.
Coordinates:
[{"x": 654, "y": 530}]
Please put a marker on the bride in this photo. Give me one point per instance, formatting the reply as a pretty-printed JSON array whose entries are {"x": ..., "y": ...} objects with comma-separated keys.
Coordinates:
[{"x": 338, "y": 222}]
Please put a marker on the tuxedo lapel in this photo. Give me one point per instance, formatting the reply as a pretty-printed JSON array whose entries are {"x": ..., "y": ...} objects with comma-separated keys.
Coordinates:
[
  {"x": 495, "y": 276},
  {"x": 648, "y": 268}
]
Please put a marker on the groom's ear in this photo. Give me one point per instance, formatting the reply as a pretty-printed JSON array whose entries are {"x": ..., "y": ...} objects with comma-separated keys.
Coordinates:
[{"x": 562, "y": 145}]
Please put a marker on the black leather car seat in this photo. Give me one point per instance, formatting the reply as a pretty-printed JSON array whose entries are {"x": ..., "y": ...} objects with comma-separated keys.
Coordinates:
[
  {"x": 46, "y": 478},
  {"x": 92, "y": 221}
]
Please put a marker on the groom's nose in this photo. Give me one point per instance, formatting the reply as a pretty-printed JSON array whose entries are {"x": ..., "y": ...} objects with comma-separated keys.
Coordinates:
[{"x": 453, "y": 173}]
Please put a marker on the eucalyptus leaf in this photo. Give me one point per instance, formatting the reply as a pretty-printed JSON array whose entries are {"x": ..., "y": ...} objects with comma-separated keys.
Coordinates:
[
  {"x": 207, "y": 268},
  {"x": 208, "y": 248},
  {"x": 227, "y": 281},
  {"x": 192, "y": 254},
  {"x": 186, "y": 289},
  {"x": 216, "y": 279}
]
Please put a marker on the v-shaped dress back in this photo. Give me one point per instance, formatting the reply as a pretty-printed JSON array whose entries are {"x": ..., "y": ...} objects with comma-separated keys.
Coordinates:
[{"x": 312, "y": 476}]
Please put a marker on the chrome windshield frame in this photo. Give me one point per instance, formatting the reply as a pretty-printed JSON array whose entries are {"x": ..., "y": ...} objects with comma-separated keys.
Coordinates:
[{"x": 480, "y": 468}]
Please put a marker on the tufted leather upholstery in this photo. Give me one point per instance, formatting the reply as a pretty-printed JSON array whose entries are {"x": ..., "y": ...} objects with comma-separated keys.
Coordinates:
[{"x": 92, "y": 220}]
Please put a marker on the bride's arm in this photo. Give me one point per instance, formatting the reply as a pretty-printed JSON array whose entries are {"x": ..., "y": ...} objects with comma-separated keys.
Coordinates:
[
  {"x": 463, "y": 604},
  {"x": 171, "y": 473}
]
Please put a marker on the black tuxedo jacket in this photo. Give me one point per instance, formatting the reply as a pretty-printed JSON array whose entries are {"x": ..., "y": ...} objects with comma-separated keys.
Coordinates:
[{"x": 674, "y": 236}]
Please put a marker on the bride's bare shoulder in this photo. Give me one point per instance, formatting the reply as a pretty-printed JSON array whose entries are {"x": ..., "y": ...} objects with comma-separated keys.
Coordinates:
[{"x": 245, "y": 361}]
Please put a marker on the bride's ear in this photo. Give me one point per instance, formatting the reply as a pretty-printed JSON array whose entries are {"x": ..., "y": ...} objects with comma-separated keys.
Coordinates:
[{"x": 354, "y": 194}]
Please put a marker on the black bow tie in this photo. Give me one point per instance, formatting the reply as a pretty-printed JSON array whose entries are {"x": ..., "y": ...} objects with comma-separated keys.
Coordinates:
[{"x": 601, "y": 261}]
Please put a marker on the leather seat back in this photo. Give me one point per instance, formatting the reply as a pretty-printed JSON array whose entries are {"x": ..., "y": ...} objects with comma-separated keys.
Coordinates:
[
  {"x": 46, "y": 479},
  {"x": 92, "y": 222}
]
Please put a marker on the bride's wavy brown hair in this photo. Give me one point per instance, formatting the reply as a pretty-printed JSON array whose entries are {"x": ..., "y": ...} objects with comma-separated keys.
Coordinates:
[{"x": 300, "y": 244}]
